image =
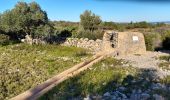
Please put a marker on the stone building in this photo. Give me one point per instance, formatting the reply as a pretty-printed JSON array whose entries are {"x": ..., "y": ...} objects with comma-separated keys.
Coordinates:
[{"x": 124, "y": 42}]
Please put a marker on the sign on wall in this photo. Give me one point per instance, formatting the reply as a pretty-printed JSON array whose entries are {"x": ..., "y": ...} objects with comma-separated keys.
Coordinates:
[{"x": 135, "y": 38}]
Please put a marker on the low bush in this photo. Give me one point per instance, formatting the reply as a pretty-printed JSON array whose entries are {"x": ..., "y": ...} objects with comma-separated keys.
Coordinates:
[
  {"x": 90, "y": 35},
  {"x": 166, "y": 40},
  {"x": 152, "y": 41},
  {"x": 166, "y": 80},
  {"x": 166, "y": 64},
  {"x": 3, "y": 39},
  {"x": 166, "y": 58}
]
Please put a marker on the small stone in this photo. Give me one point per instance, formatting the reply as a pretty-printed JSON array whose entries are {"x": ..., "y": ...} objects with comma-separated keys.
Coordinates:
[
  {"x": 23, "y": 40},
  {"x": 158, "y": 97},
  {"x": 122, "y": 88},
  {"x": 121, "y": 94},
  {"x": 87, "y": 98},
  {"x": 98, "y": 40},
  {"x": 113, "y": 97},
  {"x": 107, "y": 94},
  {"x": 124, "y": 96},
  {"x": 104, "y": 83},
  {"x": 139, "y": 91},
  {"x": 158, "y": 86},
  {"x": 135, "y": 96},
  {"x": 18, "y": 70},
  {"x": 145, "y": 96},
  {"x": 91, "y": 41},
  {"x": 54, "y": 95},
  {"x": 86, "y": 39},
  {"x": 133, "y": 91},
  {"x": 98, "y": 97}
]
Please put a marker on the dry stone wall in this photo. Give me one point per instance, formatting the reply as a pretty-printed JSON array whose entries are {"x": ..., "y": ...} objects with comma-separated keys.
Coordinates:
[
  {"x": 92, "y": 45},
  {"x": 122, "y": 43}
]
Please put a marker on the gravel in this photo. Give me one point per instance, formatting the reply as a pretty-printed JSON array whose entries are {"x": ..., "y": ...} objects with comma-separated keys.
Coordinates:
[{"x": 149, "y": 60}]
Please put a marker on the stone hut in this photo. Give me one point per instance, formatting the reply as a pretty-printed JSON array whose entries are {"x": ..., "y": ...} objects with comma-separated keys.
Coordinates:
[{"x": 124, "y": 42}]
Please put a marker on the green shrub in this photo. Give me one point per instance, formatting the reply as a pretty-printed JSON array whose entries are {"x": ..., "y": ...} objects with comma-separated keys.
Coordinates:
[
  {"x": 90, "y": 35},
  {"x": 166, "y": 58},
  {"x": 152, "y": 41},
  {"x": 4, "y": 38},
  {"x": 166, "y": 80},
  {"x": 26, "y": 18},
  {"x": 164, "y": 65},
  {"x": 149, "y": 42},
  {"x": 166, "y": 40}
]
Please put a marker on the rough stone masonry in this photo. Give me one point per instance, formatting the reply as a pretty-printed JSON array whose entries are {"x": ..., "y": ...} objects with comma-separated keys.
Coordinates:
[
  {"x": 124, "y": 42},
  {"x": 121, "y": 42}
]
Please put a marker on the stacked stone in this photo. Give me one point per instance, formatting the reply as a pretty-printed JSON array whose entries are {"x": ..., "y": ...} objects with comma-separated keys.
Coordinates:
[
  {"x": 29, "y": 40},
  {"x": 92, "y": 45}
]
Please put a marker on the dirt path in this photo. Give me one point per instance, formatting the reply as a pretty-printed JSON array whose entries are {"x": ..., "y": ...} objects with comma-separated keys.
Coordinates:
[{"x": 147, "y": 61}]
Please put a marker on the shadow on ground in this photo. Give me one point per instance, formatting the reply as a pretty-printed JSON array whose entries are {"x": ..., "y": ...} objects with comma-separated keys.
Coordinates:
[{"x": 81, "y": 86}]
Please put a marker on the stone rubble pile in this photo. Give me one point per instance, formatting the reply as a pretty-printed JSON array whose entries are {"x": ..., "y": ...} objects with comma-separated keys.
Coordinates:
[
  {"x": 28, "y": 39},
  {"x": 84, "y": 43}
]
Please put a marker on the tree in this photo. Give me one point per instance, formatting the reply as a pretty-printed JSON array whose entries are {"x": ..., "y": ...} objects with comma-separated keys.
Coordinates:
[
  {"x": 25, "y": 19},
  {"x": 89, "y": 21}
]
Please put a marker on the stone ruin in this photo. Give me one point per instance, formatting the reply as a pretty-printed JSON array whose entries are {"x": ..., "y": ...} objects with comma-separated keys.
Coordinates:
[
  {"x": 124, "y": 42},
  {"x": 121, "y": 43}
]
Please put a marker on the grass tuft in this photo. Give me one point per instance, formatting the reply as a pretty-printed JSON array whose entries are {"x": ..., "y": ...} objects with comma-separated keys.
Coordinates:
[{"x": 24, "y": 66}]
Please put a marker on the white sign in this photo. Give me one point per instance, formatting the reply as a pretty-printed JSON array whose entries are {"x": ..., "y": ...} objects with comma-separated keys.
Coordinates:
[{"x": 135, "y": 38}]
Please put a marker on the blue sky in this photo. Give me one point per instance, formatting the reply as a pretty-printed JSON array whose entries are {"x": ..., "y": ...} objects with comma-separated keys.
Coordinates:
[{"x": 109, "y": 10}]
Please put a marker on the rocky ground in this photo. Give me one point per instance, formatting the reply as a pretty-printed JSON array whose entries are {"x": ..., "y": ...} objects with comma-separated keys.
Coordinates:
[
  {"x": 149, "y": 60},
  {"x": 137, "y": 94},
  {"x": 153, "y": 90},
  {"x": 130, "y": 77}
]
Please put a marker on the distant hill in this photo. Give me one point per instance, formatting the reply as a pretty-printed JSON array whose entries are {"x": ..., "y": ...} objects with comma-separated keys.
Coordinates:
[{"x": 166, "y": 22}]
